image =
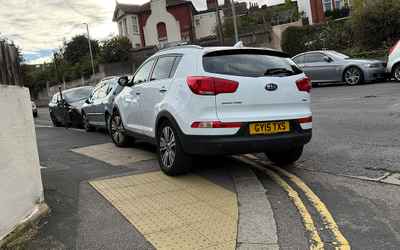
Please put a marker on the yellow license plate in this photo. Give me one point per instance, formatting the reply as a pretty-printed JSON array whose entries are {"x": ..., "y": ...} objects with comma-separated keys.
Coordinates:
[{"x": 267, "y": 128}]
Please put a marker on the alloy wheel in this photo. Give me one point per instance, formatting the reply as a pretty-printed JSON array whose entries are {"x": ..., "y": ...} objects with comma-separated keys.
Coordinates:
[
  {"x": 167, "y": 147},
  {"x": 117, "y": 129},
  {"x": 352, "y": 76}
]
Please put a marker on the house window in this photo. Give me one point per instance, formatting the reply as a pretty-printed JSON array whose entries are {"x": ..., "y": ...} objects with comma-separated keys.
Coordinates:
[
  {"x": 125, "y": 26},
  {"x": 338, "y": 4},
  {"x": 121, "y": 31},
  {"x": 135, "y": 27},
  {"x": 162, "y": 32},
  {"x": 327, "y": 5}
]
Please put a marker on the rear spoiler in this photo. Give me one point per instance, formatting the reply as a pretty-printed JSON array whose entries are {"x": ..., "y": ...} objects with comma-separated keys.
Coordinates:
[{"x": 252, "y": 51}]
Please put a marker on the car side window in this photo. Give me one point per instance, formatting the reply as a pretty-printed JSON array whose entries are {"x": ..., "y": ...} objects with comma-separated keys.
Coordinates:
[
  {"x": 102, "y": 92},
  {"x": 314, "y": 57},
  {"x": 142, "y": 74},
  {"x": 111, "y": 85},
  {"x": 299, "y": 59},
  {"x": 163, "y": 68}
]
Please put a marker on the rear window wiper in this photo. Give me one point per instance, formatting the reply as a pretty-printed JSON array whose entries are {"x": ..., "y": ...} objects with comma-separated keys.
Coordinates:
[{"x": 278, "y": 71}]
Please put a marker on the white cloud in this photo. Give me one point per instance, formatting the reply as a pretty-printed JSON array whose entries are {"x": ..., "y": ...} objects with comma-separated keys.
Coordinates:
[
  {"x": 44, "y": 24},
  {"x": 40, "y": 60}
]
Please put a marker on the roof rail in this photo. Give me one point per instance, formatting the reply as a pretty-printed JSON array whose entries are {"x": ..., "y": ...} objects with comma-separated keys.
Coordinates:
[{"x": 173, "y": 45}]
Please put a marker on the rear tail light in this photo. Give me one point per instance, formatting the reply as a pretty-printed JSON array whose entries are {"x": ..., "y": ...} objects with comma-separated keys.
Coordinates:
[
  {"x": 304, "y": 84},
  {"x": 392, "y": 48},
  {"x": 216, "y": 124},
  {"x": 305, "y": 120},
  {"x": 202, "y": 85}
]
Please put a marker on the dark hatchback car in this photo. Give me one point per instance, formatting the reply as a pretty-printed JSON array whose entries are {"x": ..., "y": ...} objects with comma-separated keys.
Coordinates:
[
  {"x": 65, "y": 108},
  {"x": 97, "y": 109}
]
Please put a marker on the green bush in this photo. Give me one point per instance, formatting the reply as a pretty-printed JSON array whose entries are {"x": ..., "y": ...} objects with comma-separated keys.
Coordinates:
[
  {"x": 372, "y": 28},
  {"x": 376, "y": 23},
  {"x": 336, "y": 35}
]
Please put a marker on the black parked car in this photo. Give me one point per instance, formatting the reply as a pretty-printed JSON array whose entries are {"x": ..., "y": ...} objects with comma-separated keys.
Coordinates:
[
  {"x": 65, "y": 107},
  {"x": 97, "y": 109}
]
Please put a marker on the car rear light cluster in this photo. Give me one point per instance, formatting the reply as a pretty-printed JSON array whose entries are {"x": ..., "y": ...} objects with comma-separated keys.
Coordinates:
[
  {"x": 202, "y": 85},
  {"x": 392, "y": 48},
  {"x": 216, "y": 124},
  {"x": 305, "y": 120},
  {"x": 304, "y": 84}
]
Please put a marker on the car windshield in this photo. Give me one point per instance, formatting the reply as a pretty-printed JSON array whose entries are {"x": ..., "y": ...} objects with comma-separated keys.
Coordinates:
[
  {"x": 251, "y": 63},
  {"x": 77, "y": 94},
  {"x": 337, "y": 54}
]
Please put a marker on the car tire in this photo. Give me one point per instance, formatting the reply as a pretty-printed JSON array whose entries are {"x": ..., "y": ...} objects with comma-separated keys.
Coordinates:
[
  {"x": 396, "y": 72},
  {"x": 86, "y": 124},
  {"x": 172, "y": 159},
  {"x": 35, "y": 114},
  {"x": 117, "y": 130},
  {"x": 285, "y": 158},
  {"x": 353, "y": 76},
  {"x": 54, "y": 121}
]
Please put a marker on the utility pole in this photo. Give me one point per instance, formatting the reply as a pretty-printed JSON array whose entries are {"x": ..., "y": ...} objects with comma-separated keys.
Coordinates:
[
  {"x": 234, "y": 21},
  {"x": 90, "y": 49},
  {"x": 219, "y": 24}
]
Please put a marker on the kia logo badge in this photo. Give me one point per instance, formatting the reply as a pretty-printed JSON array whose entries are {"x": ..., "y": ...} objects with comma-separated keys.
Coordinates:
[{"x": 271, "y": 87}]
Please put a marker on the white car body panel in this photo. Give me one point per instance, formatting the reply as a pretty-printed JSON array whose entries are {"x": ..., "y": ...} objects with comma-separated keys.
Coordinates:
[
  {"x": 394, "y": 57},
  {"x": 139, "y": 112}
]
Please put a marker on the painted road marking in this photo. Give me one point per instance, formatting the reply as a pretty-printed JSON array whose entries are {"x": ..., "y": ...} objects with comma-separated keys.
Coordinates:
[
  {"x": 186, "y": 212},
  {"x": 316, "y": 242},
  {"x": 327, "y": 218},
  {"x": 115, "y": 156}
]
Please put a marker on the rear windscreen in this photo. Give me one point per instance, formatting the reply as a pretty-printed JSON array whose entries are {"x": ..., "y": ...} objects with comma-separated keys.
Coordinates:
[{"x": 251, "y": 63}]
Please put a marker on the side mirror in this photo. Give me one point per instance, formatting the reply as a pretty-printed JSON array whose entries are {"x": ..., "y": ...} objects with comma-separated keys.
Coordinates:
[
  {"x": 327, "y": 59},
  {"x": 123, "y": 81},
  {"x": 87, "y": 101}
]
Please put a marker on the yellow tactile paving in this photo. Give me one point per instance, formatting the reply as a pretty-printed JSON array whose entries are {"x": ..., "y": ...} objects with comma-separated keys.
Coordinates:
[
  {"x": 115, "y": 156},
  {"x": 187, "y": 212}
]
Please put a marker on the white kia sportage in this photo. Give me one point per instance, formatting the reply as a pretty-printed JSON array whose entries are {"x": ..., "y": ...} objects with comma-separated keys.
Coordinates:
[{"x": 192, "y": 101}]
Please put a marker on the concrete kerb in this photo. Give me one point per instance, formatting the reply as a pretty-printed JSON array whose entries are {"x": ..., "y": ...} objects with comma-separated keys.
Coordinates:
[
  {"x": 30, "y": 222},
  {"x": 256, "y": 226}
]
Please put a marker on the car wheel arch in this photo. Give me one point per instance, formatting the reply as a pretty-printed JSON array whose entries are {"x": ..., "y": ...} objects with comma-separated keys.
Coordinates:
[{"x": 166, "y": 116}]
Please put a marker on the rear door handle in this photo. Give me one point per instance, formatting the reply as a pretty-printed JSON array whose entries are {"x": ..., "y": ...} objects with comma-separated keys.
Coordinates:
[{"x": 163, "y": 90}]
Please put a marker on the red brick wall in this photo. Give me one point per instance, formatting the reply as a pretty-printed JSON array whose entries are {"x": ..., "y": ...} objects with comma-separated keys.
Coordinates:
[
  {"x": 183, "y": 13},
  {"x": 142, "y": 22},
  {"x": 317, "y": 11}
]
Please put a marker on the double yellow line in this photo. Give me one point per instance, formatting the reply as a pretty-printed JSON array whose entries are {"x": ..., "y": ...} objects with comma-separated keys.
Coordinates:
[{"x": 340, "y": 241}]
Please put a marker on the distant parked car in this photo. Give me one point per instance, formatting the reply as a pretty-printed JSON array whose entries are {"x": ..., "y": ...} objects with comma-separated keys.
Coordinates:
[
  {"x": 34, "y": 109},
  {"x": 97, "y": 109},
  {"x": 393, "y": 66},
  {"x": 65, "y": 107},
  {"x": 328, "y": 66}
]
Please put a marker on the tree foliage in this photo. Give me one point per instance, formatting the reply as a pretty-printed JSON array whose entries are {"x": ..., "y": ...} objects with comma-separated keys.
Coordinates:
[
  {"x": 115, "y": 50},
  {"x": 78, "y": 48},
  {"x": 376, "y": 23}
]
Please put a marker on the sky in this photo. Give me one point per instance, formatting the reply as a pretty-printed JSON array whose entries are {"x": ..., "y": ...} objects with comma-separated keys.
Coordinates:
[{"x": 38, "y": 27}]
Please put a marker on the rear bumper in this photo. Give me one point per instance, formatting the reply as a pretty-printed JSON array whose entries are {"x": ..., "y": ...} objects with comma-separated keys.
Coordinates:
[{"x": 243, "y": 143}]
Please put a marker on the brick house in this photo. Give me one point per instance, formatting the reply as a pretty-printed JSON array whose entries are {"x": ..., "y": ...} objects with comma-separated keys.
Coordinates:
[{"x": 163, "y": 21}]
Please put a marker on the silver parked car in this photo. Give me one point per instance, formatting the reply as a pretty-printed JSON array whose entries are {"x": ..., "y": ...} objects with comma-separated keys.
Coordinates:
[
  {"x": 97, "y": 109},
  {"x": 328, "y": 66}
]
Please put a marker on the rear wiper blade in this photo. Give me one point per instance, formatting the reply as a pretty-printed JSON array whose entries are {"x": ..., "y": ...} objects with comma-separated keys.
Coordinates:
[{"x": 277, "y": 71}]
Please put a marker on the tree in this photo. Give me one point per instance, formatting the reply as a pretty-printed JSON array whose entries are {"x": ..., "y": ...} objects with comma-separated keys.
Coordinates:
[
  {"x": 115, "y": 50},
  {"x": 78, "y": 48},
  {"x": 376, "y": 23}
]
